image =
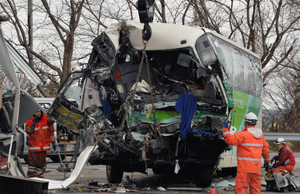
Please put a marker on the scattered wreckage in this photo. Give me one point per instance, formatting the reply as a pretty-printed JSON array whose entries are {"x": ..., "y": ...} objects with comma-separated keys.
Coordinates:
[
  {"x": 150, "y": 96},
  {"x": 154, "y": 95},
  {"x": 150, "y": 104},
  {"x": 11, "y": 104},
  {"x": 16, "y": 107}
]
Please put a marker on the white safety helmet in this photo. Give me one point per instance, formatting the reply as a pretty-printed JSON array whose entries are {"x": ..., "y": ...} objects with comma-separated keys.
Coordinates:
[
  {"x": 279, "y": 141},
  {"x": 251, "y": 118}
]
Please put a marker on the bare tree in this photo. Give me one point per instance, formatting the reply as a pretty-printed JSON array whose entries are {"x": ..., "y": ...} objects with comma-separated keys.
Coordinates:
[
  {"x": 267, "y": 28},
  {"x": 284, "y": 97},
  {"x": 65, "y": 24},
  {"x": 270, "y": 29}
]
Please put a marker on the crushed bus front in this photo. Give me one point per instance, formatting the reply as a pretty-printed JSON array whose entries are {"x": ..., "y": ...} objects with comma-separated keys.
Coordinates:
[{"x": 164, "y": 112}]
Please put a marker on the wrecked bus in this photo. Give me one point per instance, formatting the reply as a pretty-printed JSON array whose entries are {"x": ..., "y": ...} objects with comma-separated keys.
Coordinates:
[{"x": 160, "y": 104}]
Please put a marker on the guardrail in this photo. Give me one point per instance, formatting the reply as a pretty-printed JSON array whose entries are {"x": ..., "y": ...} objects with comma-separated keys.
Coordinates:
[{"x": 285, "y": 136}]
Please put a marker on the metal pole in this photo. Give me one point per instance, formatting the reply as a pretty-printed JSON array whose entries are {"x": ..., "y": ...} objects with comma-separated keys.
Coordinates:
[{"x": 30, "y": 28}]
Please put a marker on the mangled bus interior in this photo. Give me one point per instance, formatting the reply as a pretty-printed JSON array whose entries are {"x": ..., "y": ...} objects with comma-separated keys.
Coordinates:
[{"x": 158, "y": 106}]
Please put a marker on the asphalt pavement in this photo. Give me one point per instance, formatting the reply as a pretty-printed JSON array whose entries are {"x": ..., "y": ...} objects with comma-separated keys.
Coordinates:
[{"x": 93, "y": 180}]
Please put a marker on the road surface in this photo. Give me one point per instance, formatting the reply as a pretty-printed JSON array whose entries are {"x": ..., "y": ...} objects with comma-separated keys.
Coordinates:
[{"x": 93, "y": 179}]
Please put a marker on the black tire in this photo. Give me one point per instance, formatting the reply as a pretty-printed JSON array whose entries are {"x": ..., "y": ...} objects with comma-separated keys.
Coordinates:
[
  {"x": 227, "y": 171},
  {"x": 55, "y": 158},
  {"x": 271, "y": 186},
  {"x": 95, "y": 158},
  {"x": 284, "y": 190},
  {"x": 204, "y": 176},
  {"x": 268, "y": 187},
  {"x": 155, "y": 171},
  {"x": 114, "y": 173},
  {"x": 163, "y": 169}
]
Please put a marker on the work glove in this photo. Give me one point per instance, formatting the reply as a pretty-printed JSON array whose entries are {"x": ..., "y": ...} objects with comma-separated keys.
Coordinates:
[
  {"x": 27, "y": 141},
  {"x": 34, "y": 122},
  {"x": 53, "y": 145},
  {"x": 225, "y": 123},
  {"x": 267, "y": 167},
  {"x": 273, "y": 159}
]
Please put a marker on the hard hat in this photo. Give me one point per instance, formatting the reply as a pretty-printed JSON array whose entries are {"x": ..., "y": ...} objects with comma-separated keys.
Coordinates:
[
  {"x": 279, "y": 140},
  {"x": 251, "y": 118}
]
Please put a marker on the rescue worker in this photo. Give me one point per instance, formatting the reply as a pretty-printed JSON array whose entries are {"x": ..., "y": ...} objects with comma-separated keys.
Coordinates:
[
  {"x": 285, "y": 160},
  {"x": 251, "y": 145},
  {"x": 41, "y": 133}
]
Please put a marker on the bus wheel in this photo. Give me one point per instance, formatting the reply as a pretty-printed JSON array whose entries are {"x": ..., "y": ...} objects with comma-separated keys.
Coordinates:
[
  {"x": 114, "y": 173},
  {"x": 204, "y": 176},
  {"x": 55, "y": 158}
]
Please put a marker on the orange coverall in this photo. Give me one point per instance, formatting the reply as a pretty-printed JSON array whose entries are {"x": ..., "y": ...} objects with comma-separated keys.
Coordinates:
[
  {"x": 285, "y": 160},
  {"x": 40, "y": 138},
  {"x": 251, "y": 145}
]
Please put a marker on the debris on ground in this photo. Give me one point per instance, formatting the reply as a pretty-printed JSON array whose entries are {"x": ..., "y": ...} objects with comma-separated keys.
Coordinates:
[
  {"x": 3, "y": 164},
  {"x": 185, "y": 189},
  {"x": 94, "y": 186},
  {"x": 224, "y": 185},
  {"x": 161, "y": 189}
]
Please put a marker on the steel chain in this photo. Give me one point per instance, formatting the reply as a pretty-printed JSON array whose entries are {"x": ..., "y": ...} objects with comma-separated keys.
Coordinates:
[
  {"x": 130, "y": 102},
  {"x": 132, "y": 93},
  {"x": 156, "y": 125}
]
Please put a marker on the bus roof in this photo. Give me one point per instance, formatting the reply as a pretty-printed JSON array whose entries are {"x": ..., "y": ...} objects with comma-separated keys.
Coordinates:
[{"x": 164, "y": 35}]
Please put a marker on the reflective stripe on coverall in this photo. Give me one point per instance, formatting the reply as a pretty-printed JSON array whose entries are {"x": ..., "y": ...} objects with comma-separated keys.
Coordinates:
[
  {"x": 37, "y": 164},
  {"x": 42, "y": 135},
  {"x": 251, "y": 145}
]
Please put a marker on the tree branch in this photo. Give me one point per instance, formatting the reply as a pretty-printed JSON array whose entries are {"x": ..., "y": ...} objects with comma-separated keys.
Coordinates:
[{"x": 56, "y": 24}]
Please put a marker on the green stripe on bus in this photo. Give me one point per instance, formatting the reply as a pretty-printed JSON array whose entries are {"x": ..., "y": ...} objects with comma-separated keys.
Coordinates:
[
  {"x": 244, "y": 103},
  {"x": 240, "y": 107}
]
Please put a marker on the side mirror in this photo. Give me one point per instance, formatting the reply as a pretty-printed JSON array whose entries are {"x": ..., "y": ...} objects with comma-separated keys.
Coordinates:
[{"x": 206, "y": 51}]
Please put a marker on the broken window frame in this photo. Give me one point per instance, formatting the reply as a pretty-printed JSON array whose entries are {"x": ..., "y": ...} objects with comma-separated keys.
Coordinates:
[{"x": 248, "y": 79}]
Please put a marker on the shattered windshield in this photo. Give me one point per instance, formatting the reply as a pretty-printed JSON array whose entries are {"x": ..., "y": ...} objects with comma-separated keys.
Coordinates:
[
  {"x": 84, "y": 89},
  {"x": 74, "y": 90},
  {"x": 172, "y": 72}
]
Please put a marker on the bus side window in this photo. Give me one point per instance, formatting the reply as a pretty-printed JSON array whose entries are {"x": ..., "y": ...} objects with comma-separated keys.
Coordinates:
[{"x": 238, "y": 76}]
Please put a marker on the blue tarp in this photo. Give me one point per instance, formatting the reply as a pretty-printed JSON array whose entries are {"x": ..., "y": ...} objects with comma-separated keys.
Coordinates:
[
  {"x": 106, "y": 109},
  {"x": 186, "y": 106},
  {"x": 203, "y": 132}
]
